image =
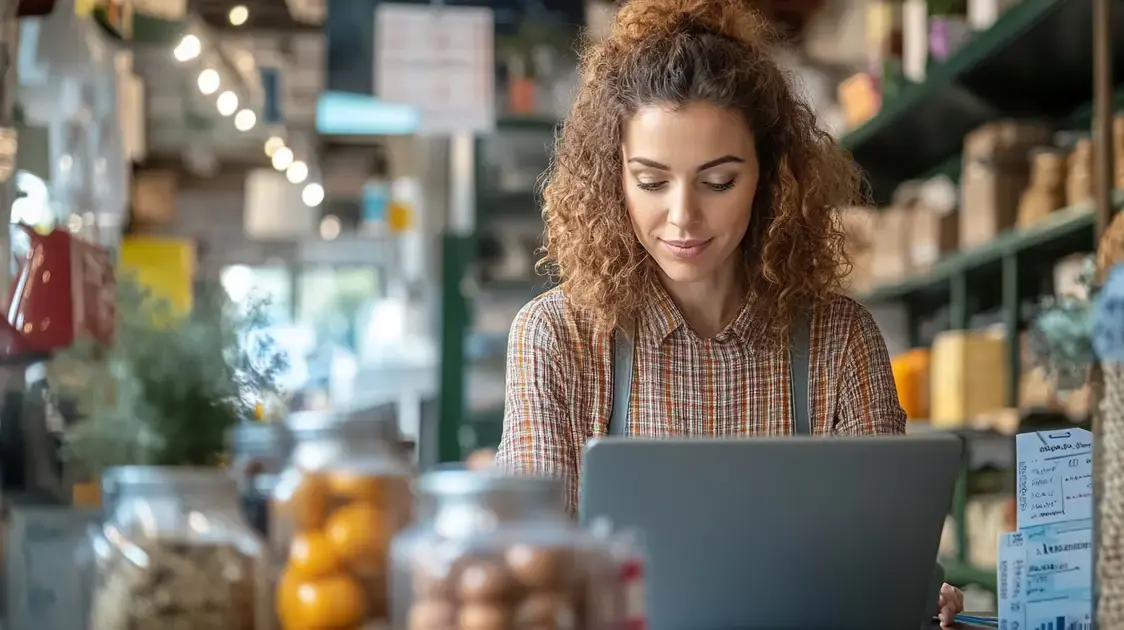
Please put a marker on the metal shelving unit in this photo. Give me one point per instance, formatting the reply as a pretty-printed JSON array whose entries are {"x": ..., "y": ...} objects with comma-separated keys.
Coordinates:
[
  {"x": 1036, "y": 61},
  {"x": 472, "y": 359}
]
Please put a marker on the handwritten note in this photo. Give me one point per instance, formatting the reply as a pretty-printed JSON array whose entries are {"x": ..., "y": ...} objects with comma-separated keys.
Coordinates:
[{"x": 1054, "y": 477}]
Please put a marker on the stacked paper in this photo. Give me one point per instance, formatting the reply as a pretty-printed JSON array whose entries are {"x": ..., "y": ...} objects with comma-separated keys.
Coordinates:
[{"x": 1045, "y": 572}]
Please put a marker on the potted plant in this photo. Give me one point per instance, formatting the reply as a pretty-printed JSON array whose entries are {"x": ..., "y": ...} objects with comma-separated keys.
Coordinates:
[{"x": 156, "y": 404}]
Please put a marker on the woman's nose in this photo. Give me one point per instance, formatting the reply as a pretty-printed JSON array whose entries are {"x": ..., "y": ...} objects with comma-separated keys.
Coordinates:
[{"x": 683, "y": 209}]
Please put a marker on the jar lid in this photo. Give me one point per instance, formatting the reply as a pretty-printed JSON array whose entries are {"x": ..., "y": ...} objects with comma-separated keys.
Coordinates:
[
  {"x": 114, "y": 480},
  {"x": 467, "y": 483},
  {"x": 373, "y": 423}
]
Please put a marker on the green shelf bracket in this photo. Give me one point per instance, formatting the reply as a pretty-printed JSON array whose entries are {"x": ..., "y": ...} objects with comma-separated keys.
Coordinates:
[{"x": 1012, "y": 324}]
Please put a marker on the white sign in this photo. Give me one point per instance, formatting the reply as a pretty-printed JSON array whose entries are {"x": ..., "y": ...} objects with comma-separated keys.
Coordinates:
[{"x": 439, "y": 60}]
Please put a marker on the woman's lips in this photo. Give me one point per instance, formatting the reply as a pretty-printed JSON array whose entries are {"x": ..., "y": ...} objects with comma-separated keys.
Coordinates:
[{"x": 686, "y": 249}]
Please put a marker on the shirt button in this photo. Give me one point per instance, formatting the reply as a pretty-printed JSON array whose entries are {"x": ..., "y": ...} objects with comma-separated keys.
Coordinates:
[{"x": 722, "y": 338}]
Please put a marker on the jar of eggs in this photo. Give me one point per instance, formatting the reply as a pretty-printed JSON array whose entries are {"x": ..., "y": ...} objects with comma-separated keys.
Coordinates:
[
  {"x": 335, "y": 508},
  {"x": 498, "y": 552}
]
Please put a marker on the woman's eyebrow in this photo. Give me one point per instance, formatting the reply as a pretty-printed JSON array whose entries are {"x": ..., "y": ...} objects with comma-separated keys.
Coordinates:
[{"x": 725, "y": 159}]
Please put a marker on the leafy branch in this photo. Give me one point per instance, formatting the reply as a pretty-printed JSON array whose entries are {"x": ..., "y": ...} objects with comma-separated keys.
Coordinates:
[
  {"x": 1061, "y": 334},
  {"x": 168, "y": 387}
]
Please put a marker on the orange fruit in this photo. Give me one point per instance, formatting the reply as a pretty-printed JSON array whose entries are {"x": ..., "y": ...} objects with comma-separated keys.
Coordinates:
[
  {"x": 357, "y": 486},
  {"x": 304, "y": 499},
  {"x": 311, "y": 556},
  {"x": 359, "y": 535},
  {"x": 330, "y": 602}
]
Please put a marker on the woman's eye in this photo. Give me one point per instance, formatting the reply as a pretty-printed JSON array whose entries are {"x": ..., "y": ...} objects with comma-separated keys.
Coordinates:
[
  {"x": 650, "y": 185},
  {"x": 721, "y": 187}
]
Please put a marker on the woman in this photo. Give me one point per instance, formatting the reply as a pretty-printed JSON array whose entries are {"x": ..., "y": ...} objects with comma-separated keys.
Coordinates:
[{"x": 691, "y": 207}]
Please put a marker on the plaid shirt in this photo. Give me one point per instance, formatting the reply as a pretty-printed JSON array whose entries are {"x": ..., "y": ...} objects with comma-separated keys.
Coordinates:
[{"x": 560, "y": 392}]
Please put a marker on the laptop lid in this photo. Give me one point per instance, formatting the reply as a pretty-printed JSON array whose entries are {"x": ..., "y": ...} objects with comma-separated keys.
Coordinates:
[{"x": 785, "y": 532}]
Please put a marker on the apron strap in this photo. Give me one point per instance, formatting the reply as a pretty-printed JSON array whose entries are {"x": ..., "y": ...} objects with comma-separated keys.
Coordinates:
[
  {"x": 624, "y": 351},
  {"x": 799, "y": 371}
]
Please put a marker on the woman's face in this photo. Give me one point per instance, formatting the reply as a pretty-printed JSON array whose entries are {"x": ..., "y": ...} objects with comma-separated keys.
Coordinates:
[{"x": 689, "y": 178}]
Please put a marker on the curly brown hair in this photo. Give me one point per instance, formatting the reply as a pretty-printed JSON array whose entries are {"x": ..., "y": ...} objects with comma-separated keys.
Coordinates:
[{"x": 673, "y": 52}]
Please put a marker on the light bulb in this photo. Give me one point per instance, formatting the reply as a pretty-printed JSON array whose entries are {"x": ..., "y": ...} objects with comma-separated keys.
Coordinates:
[
  {"x": 282, "y": 158},
  {"x": 312, "y": 195},
  {"x": 227, "y": 103},
  {"x": 297, "y": 172},
  {"x": 188, "y": 48},
  {"x": 245, "y": 120},
  {"x": 238, "y": 15},
  {"x": 209, "y": 81},
  {"x": 274, "y": 143}
]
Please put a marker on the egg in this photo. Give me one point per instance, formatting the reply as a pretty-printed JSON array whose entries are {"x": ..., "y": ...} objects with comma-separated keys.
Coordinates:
[
  {"x": 483, "y": 580},
  {"x": 546, "y": 611},
  {"x": 432, "y": 614},
  {"x": 483, "y": 616},
  {"x": 431, "y": 582},
  {"x": 539, "y": 567}
]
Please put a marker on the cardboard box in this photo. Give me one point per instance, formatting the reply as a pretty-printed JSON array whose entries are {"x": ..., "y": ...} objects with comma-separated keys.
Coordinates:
[
  {"x": 933, "y": 235},
  {"x": 859, "y": 225},
  {"x": 891, "y": 259},
  {"x": 996, "y": 171}
]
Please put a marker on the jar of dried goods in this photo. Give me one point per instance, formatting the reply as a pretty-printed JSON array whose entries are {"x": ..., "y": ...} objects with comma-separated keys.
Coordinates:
[
  {"x": 494, "y": 551},
  {"x": 176, "y": 553},
  {"x": 344, "y": 495}
]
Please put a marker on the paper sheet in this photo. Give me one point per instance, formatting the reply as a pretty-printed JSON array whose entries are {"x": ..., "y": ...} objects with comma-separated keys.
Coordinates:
[{"x": 1045, "y": 569}]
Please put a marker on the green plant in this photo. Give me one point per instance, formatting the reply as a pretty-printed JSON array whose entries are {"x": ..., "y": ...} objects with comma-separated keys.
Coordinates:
[
  {"x": 1060, "y": 335},
  {"x": 168, "y": 387}
]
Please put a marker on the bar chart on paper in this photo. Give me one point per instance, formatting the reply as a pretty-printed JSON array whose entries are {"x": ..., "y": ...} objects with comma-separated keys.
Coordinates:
[{"x": 1066, "y": 623}]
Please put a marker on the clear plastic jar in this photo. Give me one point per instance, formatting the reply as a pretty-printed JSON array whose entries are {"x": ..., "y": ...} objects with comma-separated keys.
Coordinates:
[
  {"x": 495, "y": 551},
  {"x": 176, "y": 553},
  {"x": 336, "y": 507}
]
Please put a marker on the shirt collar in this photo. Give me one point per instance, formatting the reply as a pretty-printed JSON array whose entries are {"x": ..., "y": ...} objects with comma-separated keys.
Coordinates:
[{"x": 661, "y": 317}]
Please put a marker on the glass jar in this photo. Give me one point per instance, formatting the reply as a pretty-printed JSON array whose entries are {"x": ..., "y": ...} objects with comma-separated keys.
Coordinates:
[
  {"x": 336, "y": 507},
  {"x": 499, "y": 551},
  {"x": 175, "y": 552}
]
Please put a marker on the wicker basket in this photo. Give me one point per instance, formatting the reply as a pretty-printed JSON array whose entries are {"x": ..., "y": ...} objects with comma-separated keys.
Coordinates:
[{"x": 1107, "y": 385}]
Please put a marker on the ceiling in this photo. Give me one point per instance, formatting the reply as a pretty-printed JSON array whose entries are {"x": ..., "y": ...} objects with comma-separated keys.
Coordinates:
[
  {"x": 264, "y": 15},
  {"x": 182, "y": 119}
]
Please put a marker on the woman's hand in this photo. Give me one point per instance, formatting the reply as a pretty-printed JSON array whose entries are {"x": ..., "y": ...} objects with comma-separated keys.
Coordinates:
[{"x": 950, "y": 604}]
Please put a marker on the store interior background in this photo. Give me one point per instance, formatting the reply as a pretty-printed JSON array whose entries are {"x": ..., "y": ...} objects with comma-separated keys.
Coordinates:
[{"x": 246, "y": 143}]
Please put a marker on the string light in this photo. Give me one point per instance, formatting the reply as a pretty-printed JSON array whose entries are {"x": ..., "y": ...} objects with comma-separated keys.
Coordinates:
[
  {"x": 312, "y": 195},
  {"x": 282, "y": 158},
  {"x": 227, "y": 103},
  {"x": 209, "y": 81},
  {"x": 245, "y": 120},
  {"x": 297, "y": 172},
  {"x": 238, "y": 15},
  {"x": 188, "y": 48}
]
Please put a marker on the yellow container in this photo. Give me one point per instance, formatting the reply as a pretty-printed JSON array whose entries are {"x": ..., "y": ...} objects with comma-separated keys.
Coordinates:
[
  {"x": 969, "y": 376},
  {"x": 911, "y": 376}
]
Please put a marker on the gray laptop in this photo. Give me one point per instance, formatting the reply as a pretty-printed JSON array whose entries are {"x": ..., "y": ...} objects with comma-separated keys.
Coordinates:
[{"x": 786, "y": 533}]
